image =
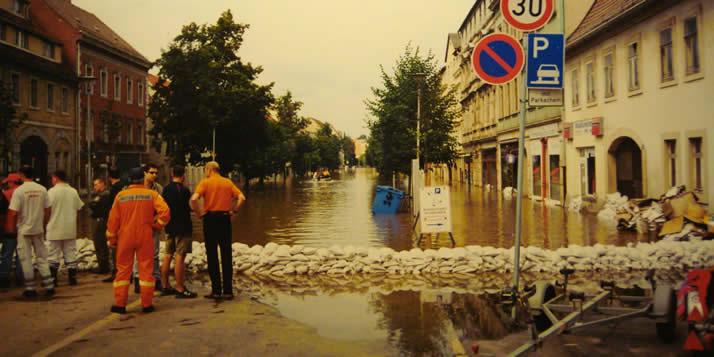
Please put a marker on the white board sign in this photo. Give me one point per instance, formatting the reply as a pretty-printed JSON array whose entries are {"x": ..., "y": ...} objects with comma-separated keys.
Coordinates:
[{"x": 435, "y": 209}]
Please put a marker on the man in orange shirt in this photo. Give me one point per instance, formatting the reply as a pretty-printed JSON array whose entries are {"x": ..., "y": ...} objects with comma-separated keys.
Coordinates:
[
  {"x": 136, "y": 212},
  {"x": 221, "y": 201}
]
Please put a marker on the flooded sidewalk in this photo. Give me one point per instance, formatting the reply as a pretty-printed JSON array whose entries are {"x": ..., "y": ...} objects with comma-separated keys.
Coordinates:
[{"x": 304, "y": 317}]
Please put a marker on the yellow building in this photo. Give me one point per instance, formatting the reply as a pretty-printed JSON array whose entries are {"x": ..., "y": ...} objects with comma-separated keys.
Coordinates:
[{"x": 639, "y": 87}]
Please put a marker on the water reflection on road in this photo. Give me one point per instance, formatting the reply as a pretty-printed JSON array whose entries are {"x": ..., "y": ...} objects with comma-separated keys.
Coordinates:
[
  {"x": 338, "y": 212},
  {"x": 416, "y": 315}
]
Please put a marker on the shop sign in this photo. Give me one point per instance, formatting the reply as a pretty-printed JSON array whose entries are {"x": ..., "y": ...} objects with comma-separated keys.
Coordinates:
[
  {"x": 582, "y": 127},
  {"x": 543, "y": 131}
]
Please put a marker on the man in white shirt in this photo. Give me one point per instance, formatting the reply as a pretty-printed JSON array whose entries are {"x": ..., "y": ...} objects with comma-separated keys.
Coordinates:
[
  {"x": 62, "y": 228},
  {"x": 28, "y": 214}
]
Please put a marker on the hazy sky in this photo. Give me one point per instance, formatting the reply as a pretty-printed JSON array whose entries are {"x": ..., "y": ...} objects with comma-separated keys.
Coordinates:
[{"x": 326, "y": 52}]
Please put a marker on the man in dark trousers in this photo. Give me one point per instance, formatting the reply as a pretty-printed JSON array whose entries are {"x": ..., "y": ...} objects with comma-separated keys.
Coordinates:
[
  {"x": 221, "y": 201},
  {"x": 100, "y": 206},
  {"x": 116, "y": 184},
  {"x": 178, "y": 231}
]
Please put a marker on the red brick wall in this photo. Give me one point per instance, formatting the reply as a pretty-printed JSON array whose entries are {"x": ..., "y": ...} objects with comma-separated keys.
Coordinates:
[{"x": 58, "y": 28}]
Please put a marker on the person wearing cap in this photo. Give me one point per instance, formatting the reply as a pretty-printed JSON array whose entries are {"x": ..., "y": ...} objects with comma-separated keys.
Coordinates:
[
  {"x": 62, "y": 227},
  {"x": 221, "y": 201},
  {"x": 28, "y": 215},
  {"x": 100, "y": 205},
  {"x": 136, "y": 212},
  {"x": 8, "y": 239}
]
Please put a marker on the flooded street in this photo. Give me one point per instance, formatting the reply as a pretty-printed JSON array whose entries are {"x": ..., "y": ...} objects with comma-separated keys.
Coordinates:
[{"x": 414, "y": 315}]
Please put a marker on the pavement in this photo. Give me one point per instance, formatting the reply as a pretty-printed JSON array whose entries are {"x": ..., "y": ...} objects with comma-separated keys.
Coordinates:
[{"x": 77, "y": 322}]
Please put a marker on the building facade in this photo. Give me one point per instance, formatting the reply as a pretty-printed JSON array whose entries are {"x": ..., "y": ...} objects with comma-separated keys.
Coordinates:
[
  {"x": 490, "y": 122},
  {"x": 113, "y": 98},
  {"x": 44, "y": 91},
  {"x": 639, "y": 110}
]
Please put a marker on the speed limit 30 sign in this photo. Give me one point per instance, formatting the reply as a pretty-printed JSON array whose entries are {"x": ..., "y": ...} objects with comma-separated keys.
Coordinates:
[{"x": 527, "y": 15}]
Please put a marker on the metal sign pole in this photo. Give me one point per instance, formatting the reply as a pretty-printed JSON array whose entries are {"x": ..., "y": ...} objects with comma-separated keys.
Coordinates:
[{"x": 519, "y": 190}]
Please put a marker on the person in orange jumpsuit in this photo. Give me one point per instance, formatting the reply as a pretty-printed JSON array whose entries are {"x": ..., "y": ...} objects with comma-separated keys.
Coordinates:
[{"x": 136, "y": 212}]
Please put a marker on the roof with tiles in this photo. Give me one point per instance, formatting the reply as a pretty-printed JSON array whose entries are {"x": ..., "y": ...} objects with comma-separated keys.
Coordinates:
[
  {"x": 90, "y": 24},
  {"x": 601, "y": 13}
]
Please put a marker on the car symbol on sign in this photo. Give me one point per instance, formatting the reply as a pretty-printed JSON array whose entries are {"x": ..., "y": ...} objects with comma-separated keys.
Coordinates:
[{"x": 548, "y": 71}]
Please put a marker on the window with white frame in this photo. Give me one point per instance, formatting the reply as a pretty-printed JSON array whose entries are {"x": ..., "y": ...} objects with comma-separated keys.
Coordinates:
[
  {"x": 18, "y": 7},
  {"x": 129, "y": 133},
  {"x": 50, "y": 97},
  {"x": 89, "y": 72},
  {"x": 670, "y": 152},
  {"x": 48, "y": 49},
  {"x": 21, "y": 39},
  {"x": 691, "y": 43},
  {"x": 575, "y": 88},
  {"x": 65, "y": 100},
  {"x": 33, "y": 93},
  {"x": 15, "y": 82},
  {"x": 697, "y": 155},
  {"x": 633, "y": 66},
  {"x": 117, "y": 87},
  {"x": 140, "y": 93},
  {"x": 140, "y": 134},
  {"x": 129, "y": 90},
  {"x": 609, "y": 74},
  {"x": 665, "y": 55},
  {"x": 103, "y": 82},
  {"x": 590, "y": 81}
]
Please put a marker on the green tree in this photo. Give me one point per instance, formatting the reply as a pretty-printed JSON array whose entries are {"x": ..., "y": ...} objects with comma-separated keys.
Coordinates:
[
  {"x": 392, "y": 142},
  {"x": 348, "y": 148},
  {"x": 288, "y": 125},
  {"x": 306, "y": 156},
  {"x": 205, "y": 87},
  {"x": 9, "y": 122},
  {"x": 329, "y": 146}
]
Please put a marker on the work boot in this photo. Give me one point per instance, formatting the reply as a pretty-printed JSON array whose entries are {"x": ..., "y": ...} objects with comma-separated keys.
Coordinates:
[
  {"x": 148, "y": 309},
  {"x": 53, "y": 271},
  {"x": 118, "y": 309},
  {"x": 72, "y": 276}
]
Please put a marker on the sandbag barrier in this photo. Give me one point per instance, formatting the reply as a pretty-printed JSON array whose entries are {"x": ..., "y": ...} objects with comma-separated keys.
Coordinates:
[{"x": 283, "y": 260}]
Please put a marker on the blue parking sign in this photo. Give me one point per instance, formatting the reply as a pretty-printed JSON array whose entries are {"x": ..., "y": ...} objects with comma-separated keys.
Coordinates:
[{"x": 546, "y": 55}]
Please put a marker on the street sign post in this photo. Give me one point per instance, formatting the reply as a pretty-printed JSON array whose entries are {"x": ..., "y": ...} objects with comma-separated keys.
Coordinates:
[
  {"x": 497, "y": 58},
  {"x": 527, "y": 15},
  {"x": 546, "y": 55}
]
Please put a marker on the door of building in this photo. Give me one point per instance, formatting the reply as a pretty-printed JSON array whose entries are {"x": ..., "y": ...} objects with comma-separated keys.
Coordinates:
[{"x": 33, "y": 152}]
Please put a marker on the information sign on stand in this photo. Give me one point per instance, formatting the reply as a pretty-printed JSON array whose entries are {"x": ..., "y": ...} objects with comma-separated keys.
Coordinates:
[{"x": 435, "y": 210}]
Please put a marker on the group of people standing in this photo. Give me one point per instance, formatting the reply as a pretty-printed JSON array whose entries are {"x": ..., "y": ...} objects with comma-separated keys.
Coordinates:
[{"x": 127, "y": 221}]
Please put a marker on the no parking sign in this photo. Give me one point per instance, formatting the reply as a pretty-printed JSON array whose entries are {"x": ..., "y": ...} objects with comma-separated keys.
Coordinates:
[{"x": 497, "y": 58}]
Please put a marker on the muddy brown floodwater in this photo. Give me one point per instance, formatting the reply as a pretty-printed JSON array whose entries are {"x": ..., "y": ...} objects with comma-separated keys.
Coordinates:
[{"x": 416, "y": 318}]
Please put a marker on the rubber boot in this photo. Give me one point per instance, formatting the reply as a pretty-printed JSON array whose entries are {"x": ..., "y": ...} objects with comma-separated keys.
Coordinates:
[
  {"x": 72, "y": 276},
  {"x": 53, "y": 271}
]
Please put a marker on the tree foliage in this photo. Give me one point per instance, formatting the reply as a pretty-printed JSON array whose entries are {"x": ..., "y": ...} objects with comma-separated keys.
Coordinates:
[
  {"x": 392, "y": 141},
  {"x": 205, "y": 86}
]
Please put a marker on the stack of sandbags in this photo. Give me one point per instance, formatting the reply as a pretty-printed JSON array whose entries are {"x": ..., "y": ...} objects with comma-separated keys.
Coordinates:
[{"x": 613, "y": 203}]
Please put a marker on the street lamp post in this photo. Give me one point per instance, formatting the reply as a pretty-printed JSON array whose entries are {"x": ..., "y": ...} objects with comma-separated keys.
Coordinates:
[
  {"x": 420, "y": 80},
  {"x": 89, "y": 129}
]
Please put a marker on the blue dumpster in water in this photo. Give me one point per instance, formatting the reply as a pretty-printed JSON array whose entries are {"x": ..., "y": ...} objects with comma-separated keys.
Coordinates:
[{"x": 386, "y": 199}]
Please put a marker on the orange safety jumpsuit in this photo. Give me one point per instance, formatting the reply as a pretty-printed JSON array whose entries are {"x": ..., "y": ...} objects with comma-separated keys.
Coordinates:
[{"x": 135, "y": 211}]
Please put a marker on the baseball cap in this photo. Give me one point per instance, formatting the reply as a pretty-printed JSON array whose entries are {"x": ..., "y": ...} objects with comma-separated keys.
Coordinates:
[
  {"x": 13, "y": 177},
  {"x": 136, "y": 173}
]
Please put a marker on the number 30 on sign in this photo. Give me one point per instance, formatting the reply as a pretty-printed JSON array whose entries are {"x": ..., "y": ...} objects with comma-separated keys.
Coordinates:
[{"x": 527, "y": 15}]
